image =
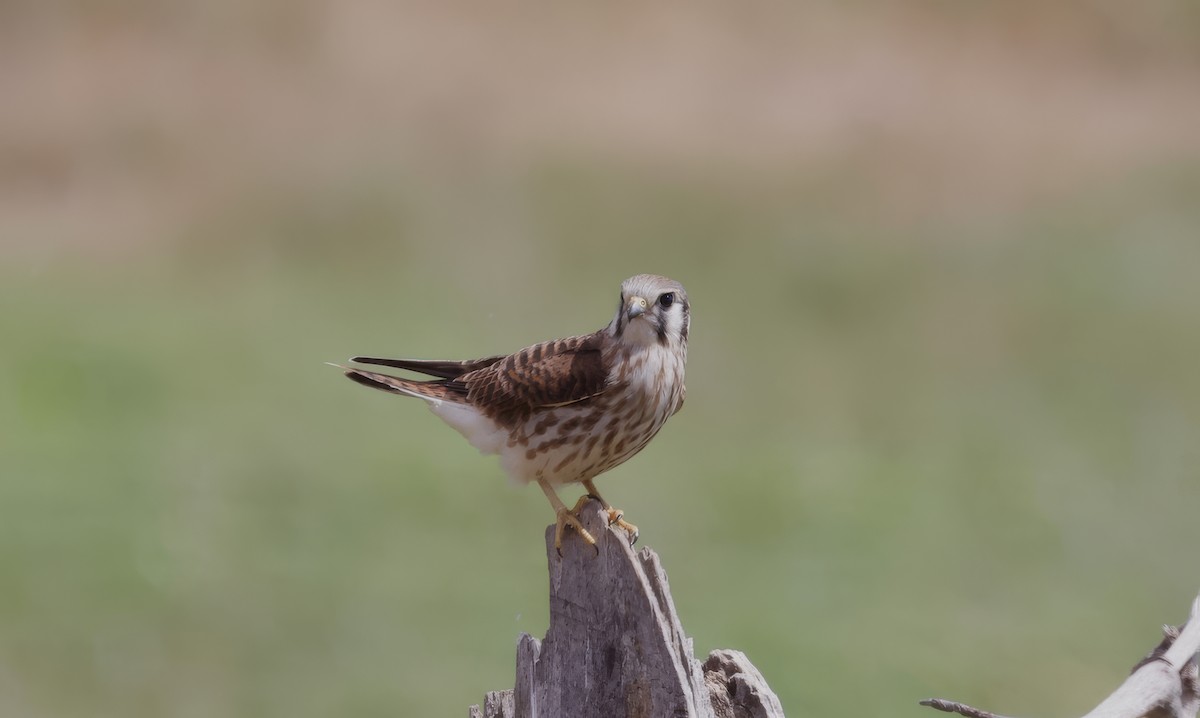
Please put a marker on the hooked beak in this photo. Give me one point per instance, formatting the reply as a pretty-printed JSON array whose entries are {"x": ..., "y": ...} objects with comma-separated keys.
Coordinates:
[{"x": 636, "y": 307}]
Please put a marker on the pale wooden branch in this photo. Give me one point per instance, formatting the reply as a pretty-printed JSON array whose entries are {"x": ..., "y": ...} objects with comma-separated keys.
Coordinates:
[
  {"x": 615, "y": 646},
  {"x": 959, "y": 708},
  {"x": 1164, "y": 684}
]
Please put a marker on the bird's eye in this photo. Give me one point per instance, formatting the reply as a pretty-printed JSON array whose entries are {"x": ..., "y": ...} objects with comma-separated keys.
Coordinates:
[{"x": 666, "y": 300}]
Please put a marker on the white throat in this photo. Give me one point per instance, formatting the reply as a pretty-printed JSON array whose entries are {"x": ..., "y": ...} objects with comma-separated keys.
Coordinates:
[{"x": 639, "y": 333}]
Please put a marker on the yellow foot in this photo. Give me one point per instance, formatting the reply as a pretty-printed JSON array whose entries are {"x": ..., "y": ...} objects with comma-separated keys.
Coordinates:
[
  {"x": 565, "y": 518},
  {"x": 614, "y": 517}
]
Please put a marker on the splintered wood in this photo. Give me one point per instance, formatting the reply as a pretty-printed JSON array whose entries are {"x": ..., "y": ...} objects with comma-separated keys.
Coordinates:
[{"x": 615, "y": 646}]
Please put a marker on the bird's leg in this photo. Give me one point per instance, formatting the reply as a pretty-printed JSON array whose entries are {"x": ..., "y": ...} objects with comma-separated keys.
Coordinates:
[
  {"x": 563, "y": 518},
  {"x": 614, "y": 515}
]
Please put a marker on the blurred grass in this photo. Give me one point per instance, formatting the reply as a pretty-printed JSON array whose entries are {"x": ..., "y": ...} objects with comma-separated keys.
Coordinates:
[{"x": 912, "y": 462}]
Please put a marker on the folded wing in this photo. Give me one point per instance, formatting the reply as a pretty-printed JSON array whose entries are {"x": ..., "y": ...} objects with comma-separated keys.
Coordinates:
[
  {"x": 551, "y": 374},
  {"x": 507, "y": 389},
  {"x": 432, "y": 367}
]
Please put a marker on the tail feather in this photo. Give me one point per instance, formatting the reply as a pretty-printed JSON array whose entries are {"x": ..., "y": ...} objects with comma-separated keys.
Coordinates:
[
  {"x": 433, "y": 367},
  {"x": 368, "y": 379},
  {"x": 433, "y": 391}
]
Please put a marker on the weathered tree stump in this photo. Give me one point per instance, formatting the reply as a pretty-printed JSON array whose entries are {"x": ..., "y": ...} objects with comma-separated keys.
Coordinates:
[{"x": 615, "y": 646}]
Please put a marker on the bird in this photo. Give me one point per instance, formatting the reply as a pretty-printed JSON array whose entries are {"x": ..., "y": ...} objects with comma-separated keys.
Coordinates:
[{"x": 566, "y": 410}]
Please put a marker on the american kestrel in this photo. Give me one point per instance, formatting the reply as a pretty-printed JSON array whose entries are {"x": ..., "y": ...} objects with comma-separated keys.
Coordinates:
[{"x": 566, "y": 410}]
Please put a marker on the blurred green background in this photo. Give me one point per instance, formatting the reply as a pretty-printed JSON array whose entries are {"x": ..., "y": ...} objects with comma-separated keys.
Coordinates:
[{"x": 942, "y": 425}]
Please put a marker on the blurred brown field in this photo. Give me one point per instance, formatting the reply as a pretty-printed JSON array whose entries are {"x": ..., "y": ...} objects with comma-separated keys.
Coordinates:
[
  {"x": 127, "y": 123},
  {"x": 941, "y": 432}
]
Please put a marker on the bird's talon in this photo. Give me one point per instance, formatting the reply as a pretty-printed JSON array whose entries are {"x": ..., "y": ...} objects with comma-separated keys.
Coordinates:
[
  {"x": 615, "y": 516},
  {"x": 566, "y": 518}
]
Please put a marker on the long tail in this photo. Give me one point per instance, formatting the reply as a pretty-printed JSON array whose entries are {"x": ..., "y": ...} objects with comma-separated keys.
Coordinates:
[{"x": 437, "y": 390}]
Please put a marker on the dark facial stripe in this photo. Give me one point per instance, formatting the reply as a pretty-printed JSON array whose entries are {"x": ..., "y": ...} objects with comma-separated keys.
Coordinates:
[{"x": 687, "y": 320}]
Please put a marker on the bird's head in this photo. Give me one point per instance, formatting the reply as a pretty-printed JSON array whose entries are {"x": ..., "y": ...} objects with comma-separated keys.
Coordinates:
[{"x": 653, "y": 310}]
